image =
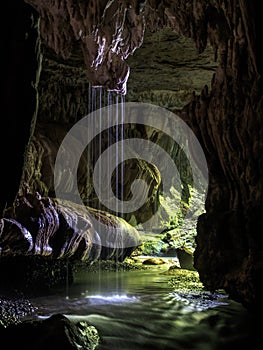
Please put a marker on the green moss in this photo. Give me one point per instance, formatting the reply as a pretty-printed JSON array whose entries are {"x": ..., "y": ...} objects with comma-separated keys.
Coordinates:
[
  {"x": 89, "y": 332},
  {"x": 185, "y": 280},
  {"x": 152, "y": 248}
]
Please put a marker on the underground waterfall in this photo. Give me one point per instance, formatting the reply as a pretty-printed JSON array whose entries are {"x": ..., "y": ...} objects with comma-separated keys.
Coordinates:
[{"x": 131, "y": 190}]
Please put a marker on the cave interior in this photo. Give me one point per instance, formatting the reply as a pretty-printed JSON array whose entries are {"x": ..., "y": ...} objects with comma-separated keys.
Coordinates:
[{"x": 198, "y": 61}]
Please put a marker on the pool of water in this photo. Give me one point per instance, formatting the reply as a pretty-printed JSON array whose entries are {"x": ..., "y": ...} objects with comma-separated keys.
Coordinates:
[{"x": 139, "y": 310}]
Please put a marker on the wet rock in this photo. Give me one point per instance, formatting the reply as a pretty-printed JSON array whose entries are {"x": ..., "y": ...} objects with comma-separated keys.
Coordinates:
[
  {"x": 13, "y": 308},
  {"x": 153, "y": 261},
  {"x": 186, "y": 258},
  {"x": 53, "y": 333}
]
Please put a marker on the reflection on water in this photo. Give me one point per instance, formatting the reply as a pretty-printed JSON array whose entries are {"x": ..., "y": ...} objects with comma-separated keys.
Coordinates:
[
  {"x": 193, "y": 301},
  {"x": 109, "y": 299},
  {"x": 140, "y": 310}
]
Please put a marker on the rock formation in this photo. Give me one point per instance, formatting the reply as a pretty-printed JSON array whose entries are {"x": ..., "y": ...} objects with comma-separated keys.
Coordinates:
[
  {"x": 61, "y": 229},
  {"x": 38, "y": 172}
]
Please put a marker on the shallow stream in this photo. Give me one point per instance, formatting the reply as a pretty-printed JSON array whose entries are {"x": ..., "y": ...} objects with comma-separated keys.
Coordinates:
[{"x": 139, "y": 310}]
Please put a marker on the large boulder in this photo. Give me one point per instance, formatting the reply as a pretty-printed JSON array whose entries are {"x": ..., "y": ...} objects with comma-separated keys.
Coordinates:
[{"x": 59, "y": 229}]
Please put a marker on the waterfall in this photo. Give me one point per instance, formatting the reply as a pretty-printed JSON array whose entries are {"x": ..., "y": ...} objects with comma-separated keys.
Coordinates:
[
  {"x": 108, "y": 130},
  {"x": 109, "y": 134},
  {"x": 117, "y": 154},
  {"x": 122, "y": 152}
]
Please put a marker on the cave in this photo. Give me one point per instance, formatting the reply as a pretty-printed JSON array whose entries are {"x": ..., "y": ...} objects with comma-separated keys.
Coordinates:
[{"x": 132, "y": 162}]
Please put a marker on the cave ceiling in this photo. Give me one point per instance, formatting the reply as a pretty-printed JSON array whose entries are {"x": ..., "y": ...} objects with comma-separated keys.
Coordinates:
[
  {"x": 129, "y": 42},
  {"x": 168, "y": 68},
  {"x": 165, "y": 70}
]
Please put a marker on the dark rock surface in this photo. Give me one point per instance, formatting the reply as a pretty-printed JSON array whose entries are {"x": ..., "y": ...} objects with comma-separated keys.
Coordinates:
[{"x": 53, "y": 333}]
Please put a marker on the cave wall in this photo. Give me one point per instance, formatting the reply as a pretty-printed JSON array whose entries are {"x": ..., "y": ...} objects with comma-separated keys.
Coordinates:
[
  {"x": 226, "y": 116},
  {"x": 228, "y": 121},
  {"x": 18, "y": 94}
]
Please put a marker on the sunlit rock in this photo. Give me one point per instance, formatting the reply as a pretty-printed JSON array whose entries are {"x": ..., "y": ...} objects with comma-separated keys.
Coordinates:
[{"x": 153, "y": 261}]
